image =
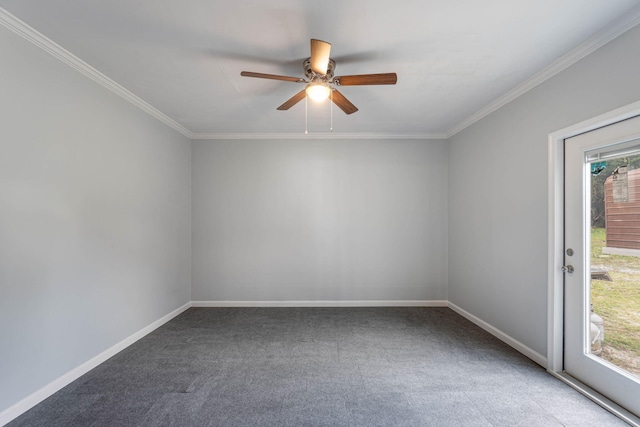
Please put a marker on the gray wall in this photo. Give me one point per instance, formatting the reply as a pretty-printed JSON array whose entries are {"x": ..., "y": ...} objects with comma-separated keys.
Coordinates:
[
  {"x": 300, "y": 220},
  {"x": 94, "y": 219},
  {"x": 96, "y": 213},
  {"x": 498, "y": 190}
]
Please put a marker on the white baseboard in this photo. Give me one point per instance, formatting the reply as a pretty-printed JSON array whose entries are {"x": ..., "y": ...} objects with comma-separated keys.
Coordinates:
[
  {"x": 366, "y": 303},
  {"x": 33, "y": 399},
  {"x": 527, "y": 351}
]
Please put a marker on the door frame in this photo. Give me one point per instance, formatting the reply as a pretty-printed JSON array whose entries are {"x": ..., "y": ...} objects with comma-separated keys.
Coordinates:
[{"x": 555, "y": 292}]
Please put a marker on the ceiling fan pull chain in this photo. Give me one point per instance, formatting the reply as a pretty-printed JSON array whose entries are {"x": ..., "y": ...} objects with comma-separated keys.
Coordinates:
[{"x": 306, "y": 114}]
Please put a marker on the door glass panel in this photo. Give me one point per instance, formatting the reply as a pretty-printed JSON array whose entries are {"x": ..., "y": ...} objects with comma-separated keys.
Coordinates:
[
  {"x": 603, "y": 274},
  {"x": 613, "y": 326}
]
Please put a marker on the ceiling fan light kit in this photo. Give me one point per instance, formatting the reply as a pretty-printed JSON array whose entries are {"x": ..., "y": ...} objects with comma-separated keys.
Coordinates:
[
  {"x": 320, "y": 80},
  {"x": 318, "y": 91}
]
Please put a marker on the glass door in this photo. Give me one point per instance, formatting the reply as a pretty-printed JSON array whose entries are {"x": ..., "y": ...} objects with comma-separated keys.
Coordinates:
[{"x": 602, "y": 261}]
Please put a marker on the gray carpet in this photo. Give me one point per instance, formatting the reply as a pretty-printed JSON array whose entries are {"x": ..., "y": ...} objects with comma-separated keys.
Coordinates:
[{"x": 318, "y": 367}]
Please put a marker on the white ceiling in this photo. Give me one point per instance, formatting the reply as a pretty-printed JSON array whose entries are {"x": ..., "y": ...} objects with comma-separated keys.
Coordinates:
[{"x": 454, "y": 58}]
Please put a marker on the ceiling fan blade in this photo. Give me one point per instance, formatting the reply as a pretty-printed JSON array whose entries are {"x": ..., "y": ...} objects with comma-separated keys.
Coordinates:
[
  {"x": 366, "y": 79},
  {"x": 320, "y": 52},
  {"x": 342, "y": 102},
  {"x": 293, "y": 100},
  {"x": 272, "y": 77}
]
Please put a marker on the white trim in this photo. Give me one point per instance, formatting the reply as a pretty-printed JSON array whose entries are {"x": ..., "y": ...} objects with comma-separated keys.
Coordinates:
[
  {"x": 30, "y": 34},
  {"x": 527, "y": 351},
  {"x": 33, "y": 399},
  {"x": 596, "y": 41},
  {"x": 555, "y": 303},
  {"x": 606, "y": 403},
  {"x": 365, "y": 303},
  {"x": 555, "y": 254},
  {"x": 323, "y": 135}
]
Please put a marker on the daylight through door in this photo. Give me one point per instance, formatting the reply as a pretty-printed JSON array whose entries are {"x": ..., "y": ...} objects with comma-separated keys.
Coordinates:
[{"x": 602, "y": 261}]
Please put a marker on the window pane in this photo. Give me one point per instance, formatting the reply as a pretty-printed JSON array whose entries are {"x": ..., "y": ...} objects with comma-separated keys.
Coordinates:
[{"x": 615, "y": 261}]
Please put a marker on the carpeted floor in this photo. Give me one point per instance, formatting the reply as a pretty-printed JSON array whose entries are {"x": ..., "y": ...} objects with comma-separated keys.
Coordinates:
[{"x": 318, "y": 367}]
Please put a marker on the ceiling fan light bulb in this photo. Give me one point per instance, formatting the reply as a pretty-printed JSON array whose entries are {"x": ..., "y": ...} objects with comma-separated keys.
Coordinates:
[{"x": 318, "y": 92}]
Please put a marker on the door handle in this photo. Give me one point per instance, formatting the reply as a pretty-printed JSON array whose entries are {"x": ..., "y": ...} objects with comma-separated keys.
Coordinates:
[{"x": 567, "y": 269}]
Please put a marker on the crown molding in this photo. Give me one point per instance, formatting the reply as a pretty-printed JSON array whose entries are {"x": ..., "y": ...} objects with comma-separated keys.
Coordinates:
[
  {"x": 599, "y": 39},
  {"x": 315, "y": 136},
  {"x": 30, "y": 34},
  {"x": 596, "y": 41}
]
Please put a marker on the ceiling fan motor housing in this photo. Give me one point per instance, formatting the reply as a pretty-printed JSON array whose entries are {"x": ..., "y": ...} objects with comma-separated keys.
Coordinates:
[{"x": 311, "y": 75}]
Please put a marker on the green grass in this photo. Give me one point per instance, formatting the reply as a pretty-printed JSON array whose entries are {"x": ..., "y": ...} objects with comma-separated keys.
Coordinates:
[{"x": 618, "y": 303}]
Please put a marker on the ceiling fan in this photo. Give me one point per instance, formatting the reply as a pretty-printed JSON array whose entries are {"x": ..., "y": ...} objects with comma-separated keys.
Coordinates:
[{"x": 320, "y": 79}]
